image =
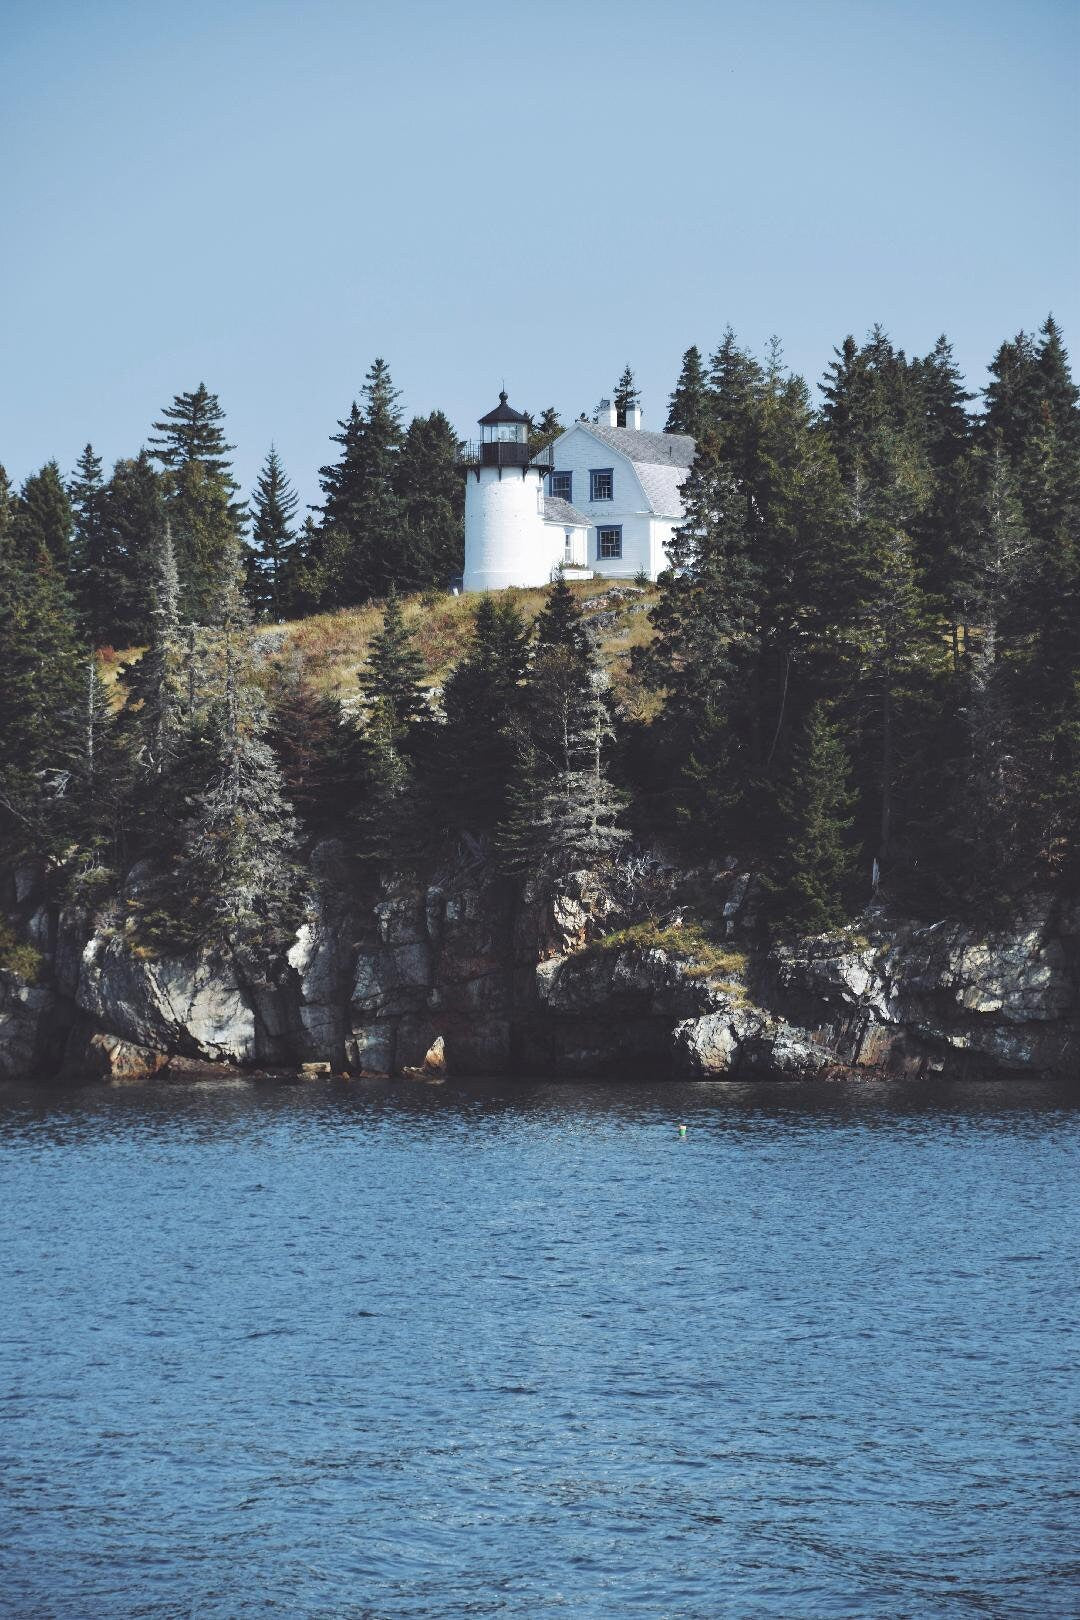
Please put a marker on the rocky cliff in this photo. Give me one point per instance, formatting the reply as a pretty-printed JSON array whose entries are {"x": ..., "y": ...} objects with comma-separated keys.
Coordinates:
[{"x": 504, "y": 981}]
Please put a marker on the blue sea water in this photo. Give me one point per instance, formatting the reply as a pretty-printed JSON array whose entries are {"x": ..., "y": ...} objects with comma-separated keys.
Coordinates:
[{"x": 521, "y": 1350}]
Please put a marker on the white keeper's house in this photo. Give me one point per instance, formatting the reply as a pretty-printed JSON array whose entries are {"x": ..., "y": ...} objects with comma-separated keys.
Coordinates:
[{"x": 605, "y": 498}]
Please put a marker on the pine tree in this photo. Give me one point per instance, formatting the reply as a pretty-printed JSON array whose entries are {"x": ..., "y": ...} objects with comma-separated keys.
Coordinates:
[
  {"x": 360, "y": 499},
  {"x": 119, "y": 575},
  {"x": 155, "y": 682},
  {"x": 483, "y": 699},
  {"x": 735, "y": 383},
  {"x": 273, "y": 538},
  {"x": 689, "y": 407},
  {"x": 563, "y": 809},
  {"x": 627, "y": 396},
  {"x": 812, "y": 887},
  {"x": 99, "y": 770},
  {"x": 701, "y": 655},
  {"x": 561, "y": 624},
  {"x": 191, "y": 430},
  {"x": 944, "y": 529},
  {"x": 545, "y": 429},
  {"x": 393, "y": 738},
  {"x": 237, "y": 880},
  {"x": 430, "y": 545},
  {"x": 206, "y": 521},
  {"x": 394, "y": 672},
  {"x": 307, "y": 737},
  {"x": 43, "y": 516},
  {"x": 90, "y": 571},
  {"x": 40, "y": 663}
]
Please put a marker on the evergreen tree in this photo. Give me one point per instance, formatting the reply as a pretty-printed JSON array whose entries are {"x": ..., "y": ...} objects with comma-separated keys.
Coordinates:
[
  {"x": 735, "y": 383},
  {"x": 394, "y": 671},
  {"x": 627, "y": 395},
  {"x": 40, "y": 663},
  {"x": 689, "y": 407},
  {"x": 91, "y": 572},
  {"x": 360, "y": 499},
  {"x": 199, "y": 489},
  {"x": 393, "y": 737},
  {"x": 155, "y": 684},
  {"x": 430, "y": 545},
  {"x": 545, "y": 430},
  {"x": 273, "y": 538},
  {"x": 701, "y": 655},
  {"x": 119, "y": 578},
  {"x": 191, "y": 430},
  {"x": 812, "y": 887},
  {"x": 99, "y": 769},
  {"x": 308, "y": 739},
  {"x": 483, "y": 700},
  {"x": 43, "y": 516},
  {"x": 237, "y": 881},
  {"x": 944, "y": 530},
  {"x": 561, "y": 624},
  {"x": 563, "y": 809}
]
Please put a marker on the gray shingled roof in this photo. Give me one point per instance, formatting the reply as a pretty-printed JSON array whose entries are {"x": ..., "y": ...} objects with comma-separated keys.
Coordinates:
[
  {"x": 556, "y": 510},
  {"x": 648, "y": 449}
]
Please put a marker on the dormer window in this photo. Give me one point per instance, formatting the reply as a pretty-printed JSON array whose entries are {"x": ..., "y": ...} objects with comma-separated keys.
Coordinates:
[{"x": 601, "y": 483}]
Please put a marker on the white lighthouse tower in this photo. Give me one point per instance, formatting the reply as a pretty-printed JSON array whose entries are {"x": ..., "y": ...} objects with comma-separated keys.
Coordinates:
[{"x": 507, "y": 541}]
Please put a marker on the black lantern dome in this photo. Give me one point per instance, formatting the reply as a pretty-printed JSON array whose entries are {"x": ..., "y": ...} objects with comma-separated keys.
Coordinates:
[{"x": 504, "y": 437}]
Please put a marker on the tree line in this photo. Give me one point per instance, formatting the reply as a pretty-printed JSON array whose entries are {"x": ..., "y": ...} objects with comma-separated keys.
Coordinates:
[{"x": 863, "y": 673}]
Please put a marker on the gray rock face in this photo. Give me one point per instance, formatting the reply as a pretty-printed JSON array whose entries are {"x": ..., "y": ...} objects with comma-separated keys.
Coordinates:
[
  {"x": 523, "y": 982},
  {"x": 194, "y": 1006},
  {"x": 32, "y": 1026}
]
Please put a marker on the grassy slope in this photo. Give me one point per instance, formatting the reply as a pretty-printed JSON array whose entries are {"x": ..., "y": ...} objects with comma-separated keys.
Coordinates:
[{"x": 332, "y": 646}]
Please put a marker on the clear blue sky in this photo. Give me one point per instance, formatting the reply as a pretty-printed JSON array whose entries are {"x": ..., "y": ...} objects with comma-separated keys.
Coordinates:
[{"x": 266, "y": 195}]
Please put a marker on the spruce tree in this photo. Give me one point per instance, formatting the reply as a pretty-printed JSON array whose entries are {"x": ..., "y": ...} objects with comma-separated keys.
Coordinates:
[
  {"x": 273, "y": 538},
  {"x": 429, "y": 547},
  {"x": 120, "y": 573},
  {"x": 394, "y": 671},
  {"x": 627, "y": 395},
  {"x": 701, "y": 656},
  {"x": 564, "y": 811},
  {"x": 309, "y": 741},
  {"x": 393, "y": 737},
  {"x": 688, "y": 409},
  {"x": 360, "y": 499},
  {"x": 40, "y": 677},
  {"x": 93, "y": 587},
  {"x": 43, "y": 516},
  {"x": 545, "y": 429},
  {"x": 811, "y": 890},
  {"x": 155, "y": 682},
  {"x": 483, "y": 700},
  {"x": 191, "y": 430},
  {"x": 206, "y": 521},
  {"x": 561, "y": 624},
  {"x": 237, "y": 881},
  {"x": 735, "y": 383}
]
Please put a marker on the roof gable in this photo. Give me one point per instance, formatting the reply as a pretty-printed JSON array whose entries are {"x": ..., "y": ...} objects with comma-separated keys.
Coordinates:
[
  {"x": 646, "y": 449},
  {"x": 660, "y": 461}
]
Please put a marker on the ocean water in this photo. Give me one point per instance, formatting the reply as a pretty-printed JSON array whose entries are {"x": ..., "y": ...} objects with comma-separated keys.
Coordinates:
[{"x": 522, "y": 1350}]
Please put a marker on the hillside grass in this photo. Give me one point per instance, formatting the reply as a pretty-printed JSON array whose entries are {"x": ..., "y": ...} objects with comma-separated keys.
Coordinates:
[{"x": 332, "y": 647}]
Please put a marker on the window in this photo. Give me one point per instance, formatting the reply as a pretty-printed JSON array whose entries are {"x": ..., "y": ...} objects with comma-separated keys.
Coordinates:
[
  {"x": 562, "y": 483},
  {"x": 609, "y": 542},
  {"x": 601, "y": 484}
]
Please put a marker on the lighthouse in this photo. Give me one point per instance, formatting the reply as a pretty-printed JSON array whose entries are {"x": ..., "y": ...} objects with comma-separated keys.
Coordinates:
[{"x": 507, "y": 540}]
